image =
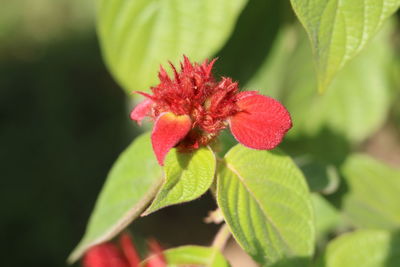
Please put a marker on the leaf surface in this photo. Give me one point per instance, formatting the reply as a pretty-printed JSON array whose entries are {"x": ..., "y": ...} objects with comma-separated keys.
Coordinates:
[
  {"x": 367, "y": 248},
  {"x": 266, "y": 203},
  {"x": 187, "y": 177},
  {"x": 340, "y": 29},
  {"x": 136, "y": 36},
  {"x": 326, "y": 216},
  {"x": 373, "y": 196},
  {"x": 194, "y": 256},
  {"x": 353, "y": 108}
]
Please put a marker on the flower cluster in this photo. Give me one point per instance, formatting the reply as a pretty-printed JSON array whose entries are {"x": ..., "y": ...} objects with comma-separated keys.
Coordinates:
[
  {"x": 110, "y": 255},
  {"x": 192, "y": 107}
]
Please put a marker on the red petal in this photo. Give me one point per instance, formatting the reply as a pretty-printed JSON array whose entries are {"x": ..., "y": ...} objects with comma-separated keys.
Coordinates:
[
  {"x": 158, "y": 259},
  {"x": 262, "y": 123},
  {"x": 163, "y": 75},
  {"x": 245, "y": 94},
  {"x": 168, "y": 130},
  {"x": 141, "y": 110},
  {"x": 129, "y": 250},
  {"x": 104, "y": 255},
  {"x": 208, "y": 66}
]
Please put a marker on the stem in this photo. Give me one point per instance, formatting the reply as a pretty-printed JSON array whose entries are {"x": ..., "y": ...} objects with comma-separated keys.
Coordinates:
[
  {"x": 221, "y": 238},
  {"x": 214, "y": 216}
]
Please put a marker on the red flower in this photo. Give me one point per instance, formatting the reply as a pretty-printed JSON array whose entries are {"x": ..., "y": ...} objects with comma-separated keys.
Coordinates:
[
  {"x": 110, "y": 255},
  {"x": 191, "y": 108}
]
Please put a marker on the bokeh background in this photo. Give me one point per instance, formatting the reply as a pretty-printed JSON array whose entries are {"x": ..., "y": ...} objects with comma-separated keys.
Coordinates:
[{"x": 63, "y": 122}]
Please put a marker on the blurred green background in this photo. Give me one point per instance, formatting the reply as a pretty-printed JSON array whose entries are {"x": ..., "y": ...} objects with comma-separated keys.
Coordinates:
[{"x": 64, "y": 121}]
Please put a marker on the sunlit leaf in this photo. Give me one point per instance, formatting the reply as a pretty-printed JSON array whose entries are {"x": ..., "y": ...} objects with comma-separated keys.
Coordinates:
[
  {"x": 339, "y": 30},
  {"x": 136, "y": 36},
  {"x": 373, "y": 194},
  {"x": 366, "y": 248},
  {"x": 265, "y": 201},
  {"x": 194, "y": 256},
  {"x": 353, "y": 108},
  {"x": 187, "y": 177},
  {"x": 326, "y": 216},
  {"x": 131, "y": 184}
]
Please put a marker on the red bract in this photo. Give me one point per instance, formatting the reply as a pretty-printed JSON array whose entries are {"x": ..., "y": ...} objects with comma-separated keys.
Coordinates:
[
  {"x": 191, "y": 108},
  {"x": 110, "y": 255}
]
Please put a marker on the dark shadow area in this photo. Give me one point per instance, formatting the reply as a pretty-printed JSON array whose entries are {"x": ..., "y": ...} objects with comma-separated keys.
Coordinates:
[
  {"x": 184, "y": 159},
  {"x": 327, "y": 146},
  {"x": 325, "y": 149},
  {"x": 252, "y": 39},
  {"x": 63, "y": 123},
  {"x": 320, "y": 177},
  {"x": 224, "y": 143},
  {"x": 178, "y": 225},
  {"x": 393, "y": 257}
]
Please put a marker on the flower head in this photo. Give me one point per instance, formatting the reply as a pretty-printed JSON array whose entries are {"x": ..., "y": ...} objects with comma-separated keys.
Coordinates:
[
  {"x": 110, "y": 255},
  {"x": 192, "y": 107}
]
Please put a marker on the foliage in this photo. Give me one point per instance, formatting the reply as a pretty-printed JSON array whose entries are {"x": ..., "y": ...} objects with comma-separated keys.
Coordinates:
[
  {"x": 339, "y": 30},
  {"x": 278, "y": 205},
  {"x": 257, "y": 192},
  {"x": 372, "y": 248},
  {"x": 194, "y": 255},
  {"x": 137, "y": 36}
]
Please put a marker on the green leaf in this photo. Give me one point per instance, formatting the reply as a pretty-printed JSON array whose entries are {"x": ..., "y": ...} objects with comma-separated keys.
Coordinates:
[
  {"x": 266, "y": 203},
  {"x": 136, "y": 36},
  {"x": 355, "y": 106},
  {"x": 326, "y": 216},
  {"x": 131, "y": 184},
  {"x": 187, "y": 177},
  {"x": 373, "y": 195},
  {"x": 339, "y": 30},
  {"x": 194, "y": 256},
  {"x": 366, "y": 248}
]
